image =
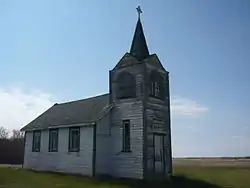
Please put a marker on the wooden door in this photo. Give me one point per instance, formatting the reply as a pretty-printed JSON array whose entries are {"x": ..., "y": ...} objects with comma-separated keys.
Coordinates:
[{"x": 159, "y": 155}]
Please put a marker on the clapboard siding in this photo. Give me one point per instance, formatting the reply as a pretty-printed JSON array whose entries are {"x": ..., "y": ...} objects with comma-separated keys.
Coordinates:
[
  {"x": 137, "y": 71},
  {"x": 61, "y": 161},
  {"x": 127, "y": 164},
  {"x": 103, "y": 146},
  {"x": 159, "y": 111}
]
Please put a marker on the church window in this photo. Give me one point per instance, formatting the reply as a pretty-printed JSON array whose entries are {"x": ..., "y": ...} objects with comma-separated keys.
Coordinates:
[
  {"x": 126, "y": 136},
  {"x": 53, "y": 140},
  {"x": 157, "y": 88},
  {"x": 126, "y": 87},
  {"x": 74, "y": 139},
  {"x": 36, "y": 141}
]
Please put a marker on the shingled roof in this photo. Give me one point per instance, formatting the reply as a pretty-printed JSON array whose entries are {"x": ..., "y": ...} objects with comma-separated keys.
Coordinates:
[{"x": 81, "y": 111}]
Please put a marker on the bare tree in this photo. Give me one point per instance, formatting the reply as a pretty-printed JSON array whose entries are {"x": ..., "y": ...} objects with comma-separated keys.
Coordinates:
[
  {"x": 11, "y": 147},
  {"x": 17, "y": 134},
  {"x": 3, "y": 133}
]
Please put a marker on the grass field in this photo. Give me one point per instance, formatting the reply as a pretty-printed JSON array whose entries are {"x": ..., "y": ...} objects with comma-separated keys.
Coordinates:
[
  {"x": 184, "y": 177},
  {"x": 213, "y": 162}
]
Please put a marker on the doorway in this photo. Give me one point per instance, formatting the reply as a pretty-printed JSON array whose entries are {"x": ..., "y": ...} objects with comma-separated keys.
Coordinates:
[{"x": 159, "y": 155}]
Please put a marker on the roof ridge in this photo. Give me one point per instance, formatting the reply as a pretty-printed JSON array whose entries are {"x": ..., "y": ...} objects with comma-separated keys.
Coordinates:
[{"x": 79, "y": 111}]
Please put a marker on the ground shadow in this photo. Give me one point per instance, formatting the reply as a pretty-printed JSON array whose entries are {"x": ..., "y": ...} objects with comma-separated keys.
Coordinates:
[
  {"x": 182, "y": 182},
  {"x": 176, "y": 182}
]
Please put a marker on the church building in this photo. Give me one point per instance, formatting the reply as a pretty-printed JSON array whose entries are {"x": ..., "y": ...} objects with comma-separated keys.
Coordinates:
[{"x": 125, "y": 133}]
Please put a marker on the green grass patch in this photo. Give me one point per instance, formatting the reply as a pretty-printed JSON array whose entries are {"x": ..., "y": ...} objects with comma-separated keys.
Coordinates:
[
  {"x": 220, "y": 176},
  {"x": 185, "y": 177}
]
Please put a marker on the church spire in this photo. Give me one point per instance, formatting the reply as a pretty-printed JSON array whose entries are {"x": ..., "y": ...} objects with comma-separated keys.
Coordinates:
[{"x": 139, "y": 48}]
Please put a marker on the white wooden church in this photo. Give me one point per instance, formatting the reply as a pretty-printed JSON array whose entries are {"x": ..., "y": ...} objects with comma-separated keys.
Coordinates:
[{"x": 124, "y": 133}]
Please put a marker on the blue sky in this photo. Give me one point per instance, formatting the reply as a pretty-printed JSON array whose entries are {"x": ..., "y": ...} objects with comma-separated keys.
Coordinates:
[{"x": 61, "y": 50}]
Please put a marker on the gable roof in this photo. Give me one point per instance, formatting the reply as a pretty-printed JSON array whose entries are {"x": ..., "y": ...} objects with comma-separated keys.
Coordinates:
[
  {"x": 154, "y": 61},
  {"x": 126, "y": 61},
  {"x": 81, "y": 111}
]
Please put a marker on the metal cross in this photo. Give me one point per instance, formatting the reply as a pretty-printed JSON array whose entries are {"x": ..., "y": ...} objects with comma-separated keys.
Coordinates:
[{"x": 139, "y": 11}]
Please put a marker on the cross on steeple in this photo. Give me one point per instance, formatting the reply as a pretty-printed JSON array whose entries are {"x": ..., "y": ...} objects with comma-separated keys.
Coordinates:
[
  {"x": 139, "y": 48},
  {"x": 139, "y": 11}
]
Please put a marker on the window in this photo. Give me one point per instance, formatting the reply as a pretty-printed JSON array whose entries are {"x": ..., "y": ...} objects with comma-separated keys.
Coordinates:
[
  {"x": 157, "y": 88},
  {"x": 126, "y": 85},
  {"x": 36, "y": 144},
  {"x": 53, "y": 140},
  {"x": 74, "y": 139},
  {"x": 126, "y": 136}
]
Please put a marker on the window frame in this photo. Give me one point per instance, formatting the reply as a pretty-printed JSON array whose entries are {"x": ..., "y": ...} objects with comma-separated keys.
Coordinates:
[
  {"x": 51, "y": 131},
  {"x": 126, "y": 139},
  {"x": 157, "y": 86},
  {"x": 36, "y": 147},
  {"x": 72, "y": 148}
]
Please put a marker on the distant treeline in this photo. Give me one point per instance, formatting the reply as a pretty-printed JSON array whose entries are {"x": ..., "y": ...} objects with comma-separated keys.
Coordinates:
[{"x": 11, "y": 151}]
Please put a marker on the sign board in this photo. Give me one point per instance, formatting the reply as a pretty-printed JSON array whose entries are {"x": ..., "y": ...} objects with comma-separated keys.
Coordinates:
[{"x": 158, "y": 125}]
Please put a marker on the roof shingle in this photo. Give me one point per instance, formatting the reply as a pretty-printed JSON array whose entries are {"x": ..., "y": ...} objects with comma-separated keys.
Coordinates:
[{"x": 81, "y": 111}]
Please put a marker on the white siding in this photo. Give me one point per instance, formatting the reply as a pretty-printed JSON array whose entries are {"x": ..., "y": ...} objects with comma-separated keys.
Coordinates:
[
  {"x": 61, "y": 161},
  {"x": 103, "y": 146},
  {"x": 129, "y": 165}
]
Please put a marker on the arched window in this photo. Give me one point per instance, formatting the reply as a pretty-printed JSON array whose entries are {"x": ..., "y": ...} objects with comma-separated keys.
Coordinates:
[
  {"x": 157, "y": 88},
  {"x": 126, "y": 85}
]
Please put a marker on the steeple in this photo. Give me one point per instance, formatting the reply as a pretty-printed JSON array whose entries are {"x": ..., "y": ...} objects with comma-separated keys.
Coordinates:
[{"x": 139, "y": 48}]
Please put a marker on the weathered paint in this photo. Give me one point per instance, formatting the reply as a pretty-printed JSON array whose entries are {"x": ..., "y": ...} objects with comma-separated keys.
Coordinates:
[
  {"x": 144, "y": 120},
  {"x": 127, "y": 164},
  {"x": 103, "y": 146},
  {"x": 158, "y": 110},
  {"x": 61, "y": 161},
  {"x": 94, "y": 151},
  {"x": 169, "y": 132}
]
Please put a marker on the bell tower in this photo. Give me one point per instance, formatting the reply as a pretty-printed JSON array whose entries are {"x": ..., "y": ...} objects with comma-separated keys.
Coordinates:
[{"x": 140, "y": 119}]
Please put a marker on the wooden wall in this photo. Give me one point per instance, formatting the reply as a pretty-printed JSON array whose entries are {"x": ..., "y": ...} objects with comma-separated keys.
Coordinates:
[{"x": 61, "y": 161}]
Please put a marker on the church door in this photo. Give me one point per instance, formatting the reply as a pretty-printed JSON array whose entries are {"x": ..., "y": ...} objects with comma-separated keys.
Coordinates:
[{"x": 159, "y": 156}]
